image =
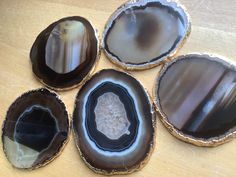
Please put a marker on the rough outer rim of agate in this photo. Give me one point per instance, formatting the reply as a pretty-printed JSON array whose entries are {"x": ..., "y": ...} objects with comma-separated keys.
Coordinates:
[
  {"x": 152, "y": 144},
  {"x": 91, "y": 70},
  {"x": 62, "y": 146},
  {"x": 147, "y": 65},
  {"x": 211, "y": 142}
]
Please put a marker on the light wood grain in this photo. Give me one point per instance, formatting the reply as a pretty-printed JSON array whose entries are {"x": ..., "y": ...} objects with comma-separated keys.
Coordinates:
[{"x": 213, "y": 30}]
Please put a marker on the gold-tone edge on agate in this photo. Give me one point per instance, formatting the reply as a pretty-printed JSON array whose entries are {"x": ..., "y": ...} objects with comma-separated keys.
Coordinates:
[
  {"x": 211, "y": 142},
  {"x": 49, "y": 160},
  {"x": 92, "y": 70},
  {"x": 142, "y": 163},
  {"x": 148, "y": 65}
]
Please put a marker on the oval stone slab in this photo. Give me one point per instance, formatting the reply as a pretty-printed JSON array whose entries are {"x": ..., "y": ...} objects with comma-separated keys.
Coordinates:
[
  {"x": 35, "y": 130},
  {"x": 141, "y": 34},
  {"x": 196, "y": 95},
  {"x": 113, "y": 123},
  {"x": 64, "y": 53}
]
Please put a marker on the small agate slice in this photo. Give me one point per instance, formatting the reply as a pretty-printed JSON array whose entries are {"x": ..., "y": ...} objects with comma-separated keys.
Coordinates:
[
  {"x": 196, "y": 96},
  {"x": 64, "y": 53},
  {"x": 35, "y": 129},
  {"x": 141, "y": 34},
  {"x": 113, "y": 123}
]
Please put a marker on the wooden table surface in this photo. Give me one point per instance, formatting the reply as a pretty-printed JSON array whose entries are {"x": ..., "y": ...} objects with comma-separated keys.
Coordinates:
[{"x": 213, "y": 30}]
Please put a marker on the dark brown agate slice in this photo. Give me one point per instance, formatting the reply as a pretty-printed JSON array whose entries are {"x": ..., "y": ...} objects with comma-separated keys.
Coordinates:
[
  {"x": 64, "y": 54},
  {"x": 143, "y": 33},
  {"x": 196, "y": 96},
  {"x": 114, "y": 123},
  {"x": 35, "y": 129}
]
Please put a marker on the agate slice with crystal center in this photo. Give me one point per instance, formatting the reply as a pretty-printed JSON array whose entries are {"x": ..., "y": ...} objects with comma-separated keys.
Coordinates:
[
  {"x": 35, "y": 130},
  {"x": 196, "y": 96},
  {"x": 141, "y": 34},
  {"x": 64, "y": 53},
  {"x": 113, "y": 123}
]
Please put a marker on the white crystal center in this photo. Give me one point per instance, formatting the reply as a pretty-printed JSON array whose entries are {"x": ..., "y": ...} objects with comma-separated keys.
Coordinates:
[{"x": 110, "y": 116}]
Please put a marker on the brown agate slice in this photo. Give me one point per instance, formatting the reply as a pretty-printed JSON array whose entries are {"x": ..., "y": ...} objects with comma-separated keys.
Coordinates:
[
  {"x": 143, "y": 33},
  {"x": 65, "y": 52},
  {"x": 196, "y": 96},
  {"x": 35, "y": 130},
  {"x": 113, "y": 122}
]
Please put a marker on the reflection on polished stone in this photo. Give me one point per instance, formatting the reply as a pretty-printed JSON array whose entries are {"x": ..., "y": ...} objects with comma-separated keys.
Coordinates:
[
  {"x": 35, "y": 129},
  {"x": 65, "y": 52},
  {"x": 198, "y": 95},
  {"x": 114, "y": 123},
  {"x": 66, "y": 47},
  {"x": 145, "y": 31}
]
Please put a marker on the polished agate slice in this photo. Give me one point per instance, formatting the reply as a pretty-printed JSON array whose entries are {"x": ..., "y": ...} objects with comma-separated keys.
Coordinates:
[
  {"x": 64, "y": 53},
  {"x": 35, "y": 129},
  {"x": 196, "y": 96},
  {"x": 113, "y": 123},
  {"x": 143, "y": 33}
]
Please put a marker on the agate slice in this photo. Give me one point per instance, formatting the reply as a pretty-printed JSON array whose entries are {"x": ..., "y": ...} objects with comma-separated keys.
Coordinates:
[
  {"x": 64, "y": 54},
  {"x": 143, "y": 33},
  {"x": 114, "y": 123},
  {"x": 35, "y": 129},
  {"x": 196, "y": 97}
]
